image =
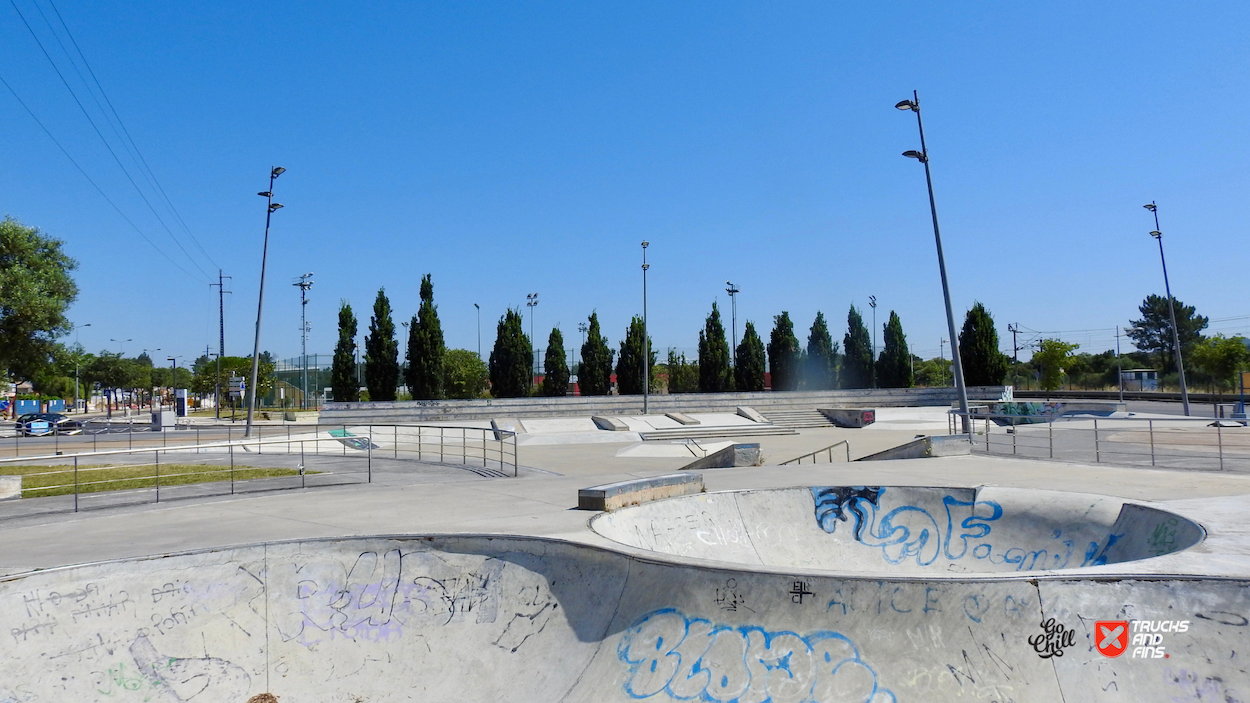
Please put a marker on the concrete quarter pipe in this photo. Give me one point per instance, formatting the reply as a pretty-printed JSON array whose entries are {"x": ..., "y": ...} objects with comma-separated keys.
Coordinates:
[{"x": 718, "y": 597}]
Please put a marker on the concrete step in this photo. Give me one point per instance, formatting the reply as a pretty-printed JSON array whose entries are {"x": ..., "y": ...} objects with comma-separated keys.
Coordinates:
[
  {"x": 715, "y": 432},
  {"x": 799, "y": 418}
]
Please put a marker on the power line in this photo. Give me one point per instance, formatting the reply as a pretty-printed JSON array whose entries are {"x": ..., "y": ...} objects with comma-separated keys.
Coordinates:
[
  {"x": 102, "y": 139},
  {"x": 89, "y": 180},
  {"x": 125, "y": 131}
]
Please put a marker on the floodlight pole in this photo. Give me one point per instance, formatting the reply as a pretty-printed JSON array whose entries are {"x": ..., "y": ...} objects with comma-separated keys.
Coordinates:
[
  {"x": 923, "y": 156},
  {"x": 733, "y": 291},
  {"x": 872, "y": 303},
  {"x": 1176, "y": 334},
  {"x": 260, "y": 301},
  {"x": 646, "y": 342}
]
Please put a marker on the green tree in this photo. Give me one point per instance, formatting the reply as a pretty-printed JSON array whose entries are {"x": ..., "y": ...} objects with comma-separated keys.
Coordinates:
[
  {"x": 894, "y": 365},
  {"x": 821, "y": 357},
  {"x": 1153, "y": 332},
  {"x": 714, "y": 375},
  {"x": 629, "y": 361},
  {"x": 1219, "y": 358},
  {"x": 857, "y": 360},
  {"x": 35, "y": 291},
  {"x": 511, "y": 370},
  {"x": 594, "y": 375},
  {"x": 683, "y": 376},
  {"x": 783, "y": 354},
  {"x": 343, "y": 382},
  {"x": 555, "y": 366},
  {"x": 381, "y": 351},
  {"x": 932, "y": 373},
  {"x": 1052, "y": 357},
  {"x": 983, "y": 363},
  {"x": 426, "y": 349},
  {"x": 465, "y": 375},
  {"x": 749, "y": 371}
]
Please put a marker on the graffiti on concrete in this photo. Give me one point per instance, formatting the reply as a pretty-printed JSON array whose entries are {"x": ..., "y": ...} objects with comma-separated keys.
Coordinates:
[
  {"x": 670, "y": 653},
  {"x": 911, "y": 533}
]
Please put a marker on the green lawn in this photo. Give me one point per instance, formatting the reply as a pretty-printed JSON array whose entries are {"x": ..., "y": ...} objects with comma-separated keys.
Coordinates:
[{"x": 39, "y": 481}]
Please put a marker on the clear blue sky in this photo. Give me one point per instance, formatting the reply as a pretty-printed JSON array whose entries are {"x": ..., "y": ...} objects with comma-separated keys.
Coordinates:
[{"x": 510, "y": 148}]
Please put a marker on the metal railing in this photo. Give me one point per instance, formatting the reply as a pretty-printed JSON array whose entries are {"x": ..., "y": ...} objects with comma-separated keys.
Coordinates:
[
  {"x": 1180, "y": 442},
  {"x": 827, "y": 451},
  {"x": 494, "y": 451}
]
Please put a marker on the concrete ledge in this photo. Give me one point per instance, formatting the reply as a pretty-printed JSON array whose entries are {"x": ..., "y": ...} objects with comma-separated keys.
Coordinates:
[
  {"x": 925, "y": 448},
  {"x": 609, "y": 423},
  {"x": 10, "y": 487},
  {"x": 729, "y": 457},
  {"x": 682, "y": 418},
  {"x": 750, "y": 414},
  {"x": 850, "y": 417},
  {"x": 611, "y": 496}
]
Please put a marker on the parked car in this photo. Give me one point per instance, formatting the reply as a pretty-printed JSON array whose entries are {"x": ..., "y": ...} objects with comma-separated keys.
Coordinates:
[{"x": 42, "y": 424}]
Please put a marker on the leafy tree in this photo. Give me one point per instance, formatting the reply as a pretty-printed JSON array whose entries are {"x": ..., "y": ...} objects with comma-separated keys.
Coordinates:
[
  {"x": 464, "y": 374},
  {"x": 1153, "y": 332},
  {"x": 594, "y": 375},
  {"x": 1219, "y": 358},
  {"x": 749, "y": 371},
  {"x": 932, "y": 373},
  {"x": 204, "y": 374},
  {"x": 1052, "y": 356},
  {"x": 894, "y": 365},
  {"x": 783, "y": 354},
  {"x": 857, "y": 362},
  {"x": 629, "y": 362},
  {"x": 511, "y": 373},
  {"x": 983, "y": 363},
  {"x": 683, "y": 376},
  {"x": 35, "y": 290},
  {"x": 343, "y": 381},
  {"x": 821, "y": 357},
  {"x": 381, "y": 351},
  {"x": 425, "y": 348},
  {"x": 555, "y": 366},
  {"x": 714, "y": 375}
]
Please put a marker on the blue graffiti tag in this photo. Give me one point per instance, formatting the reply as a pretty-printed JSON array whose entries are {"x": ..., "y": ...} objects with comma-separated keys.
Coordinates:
[{"x": 692, "y": 658}]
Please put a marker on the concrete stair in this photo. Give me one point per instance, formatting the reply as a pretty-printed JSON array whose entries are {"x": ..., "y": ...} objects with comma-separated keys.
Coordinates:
[
  {"x": 717, "y": 432},
  {"x": 798, "y": 419}
]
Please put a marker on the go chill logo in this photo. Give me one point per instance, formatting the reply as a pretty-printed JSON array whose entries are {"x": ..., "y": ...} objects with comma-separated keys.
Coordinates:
[{"x": 1113, "y": 638}]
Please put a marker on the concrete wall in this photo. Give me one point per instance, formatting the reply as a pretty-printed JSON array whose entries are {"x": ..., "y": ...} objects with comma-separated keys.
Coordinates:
[
  {"x": 433, "y": 411},
  {"x": 510, "y": 619}
]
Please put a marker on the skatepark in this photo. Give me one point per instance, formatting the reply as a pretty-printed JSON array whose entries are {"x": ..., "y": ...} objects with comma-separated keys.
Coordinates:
[{"x": 975, "y": 576}]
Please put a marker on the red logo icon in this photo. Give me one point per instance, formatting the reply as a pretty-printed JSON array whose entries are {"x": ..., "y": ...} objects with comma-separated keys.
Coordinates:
[{"x": 1111, "y": 637}]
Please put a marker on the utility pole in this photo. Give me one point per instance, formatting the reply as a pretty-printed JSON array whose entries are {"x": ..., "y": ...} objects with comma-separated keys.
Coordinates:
[
  {"x": 733, "y": 291},
  {"x": 305, "y": 282},
  {"x": 221, "y": 336},
  {"x": 1015, "y": 352},
  {"x": 942, "y": 356}
]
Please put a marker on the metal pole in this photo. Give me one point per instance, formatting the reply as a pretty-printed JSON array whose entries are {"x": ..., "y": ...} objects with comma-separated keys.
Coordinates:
[
  {"x": 370, "y": 449},
  {"x": 1151, "y": 426},
  {"x": 1176, "y": 336},
  {"x": 1119, "y": 365},
  {"x": 75, "y": 484},
  {"x": 946, "y": 294},
  {"x": 872, "y": 303},
  {"x": 646, "y": 342},
  {"x": 733, "y": 290},
  {"x": 1097, "y": 451},
  {"x": 260, "y": 300},
  {"x": 231, "y": 469},
  {"x": 158, "y": 476},
  {"x": 479, "y": 331},
  {"x": 1050, "y": 437}
]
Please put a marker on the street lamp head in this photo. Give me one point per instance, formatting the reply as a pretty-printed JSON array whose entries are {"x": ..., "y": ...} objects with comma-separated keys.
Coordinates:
[
  {"x": 646, "y": 266},
  {"x": 1150, "y": 206},
  {"x": 479, "y": 307},
  {"x": 907, "y": 105},
  {"x": 645, "y": 244},
  {"x": 1156, "y": 234},
  {"x": 265, "y": 194},
  {"x": 277, "y": 171},
  {"x": 913, "y": 154},
  {"x": 275, "y": 206}
]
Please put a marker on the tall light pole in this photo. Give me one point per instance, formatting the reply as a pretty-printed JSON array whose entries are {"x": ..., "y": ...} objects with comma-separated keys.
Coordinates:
[
  {"x": 151, "y": 399},
  {"x": 479, "y": 331},
  {"x": 531, "y": 302},
  {"x": 581, "y": 327},
  {"x": 923, "y": 157},
  {"x": 646, "y": 343},
  {"x": 173, "y": 375},
  {"x": 271, "y": 207},
  {"x": 733, "y": 291},
  {"x": 77, "y": 361},
  {"x": 305, "y": 282},
  {"x": 120, "y": 343},
  {"x": 872, "y": 303},
  {"x": 1176, "y": 335}
]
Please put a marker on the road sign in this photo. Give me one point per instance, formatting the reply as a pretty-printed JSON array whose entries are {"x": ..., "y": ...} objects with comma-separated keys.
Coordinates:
[{"x": 237, "y": 386}]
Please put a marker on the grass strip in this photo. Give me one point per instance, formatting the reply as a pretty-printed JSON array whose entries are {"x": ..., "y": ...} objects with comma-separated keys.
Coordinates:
[{"x": 41, "y": 481}]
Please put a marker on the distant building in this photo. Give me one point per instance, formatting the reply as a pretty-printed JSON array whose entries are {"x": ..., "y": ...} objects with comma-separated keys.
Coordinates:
[{"x": 1140, "y": 379}]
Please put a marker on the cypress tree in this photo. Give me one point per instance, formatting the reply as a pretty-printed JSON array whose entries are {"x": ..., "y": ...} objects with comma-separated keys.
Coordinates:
[
  {"x": 629, "y": 361},
  {"x": 983, "y": 363},
  {"x": 594, "y": 376},
  {"x": 343, "y": 370},
  {"x": 749, "y": 373},
  {"x": 426, "y": 348},
  {"x": 511, "y": 372},
  {"x": 714, "y": 375},
  {"x": 381, "y": 351},
  {"x": 555, "y": 367},
  {"x": 683, "y": 376},
  {"x": 783, "y": 354},
  {"x": 821, "y": 351},
  {"x": 857, "y": 362},
  {"x": 894, "y": 365}
]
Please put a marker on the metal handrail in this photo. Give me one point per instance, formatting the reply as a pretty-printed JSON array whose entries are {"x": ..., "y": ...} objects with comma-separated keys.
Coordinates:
[{"x": 824, "y": 450}]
